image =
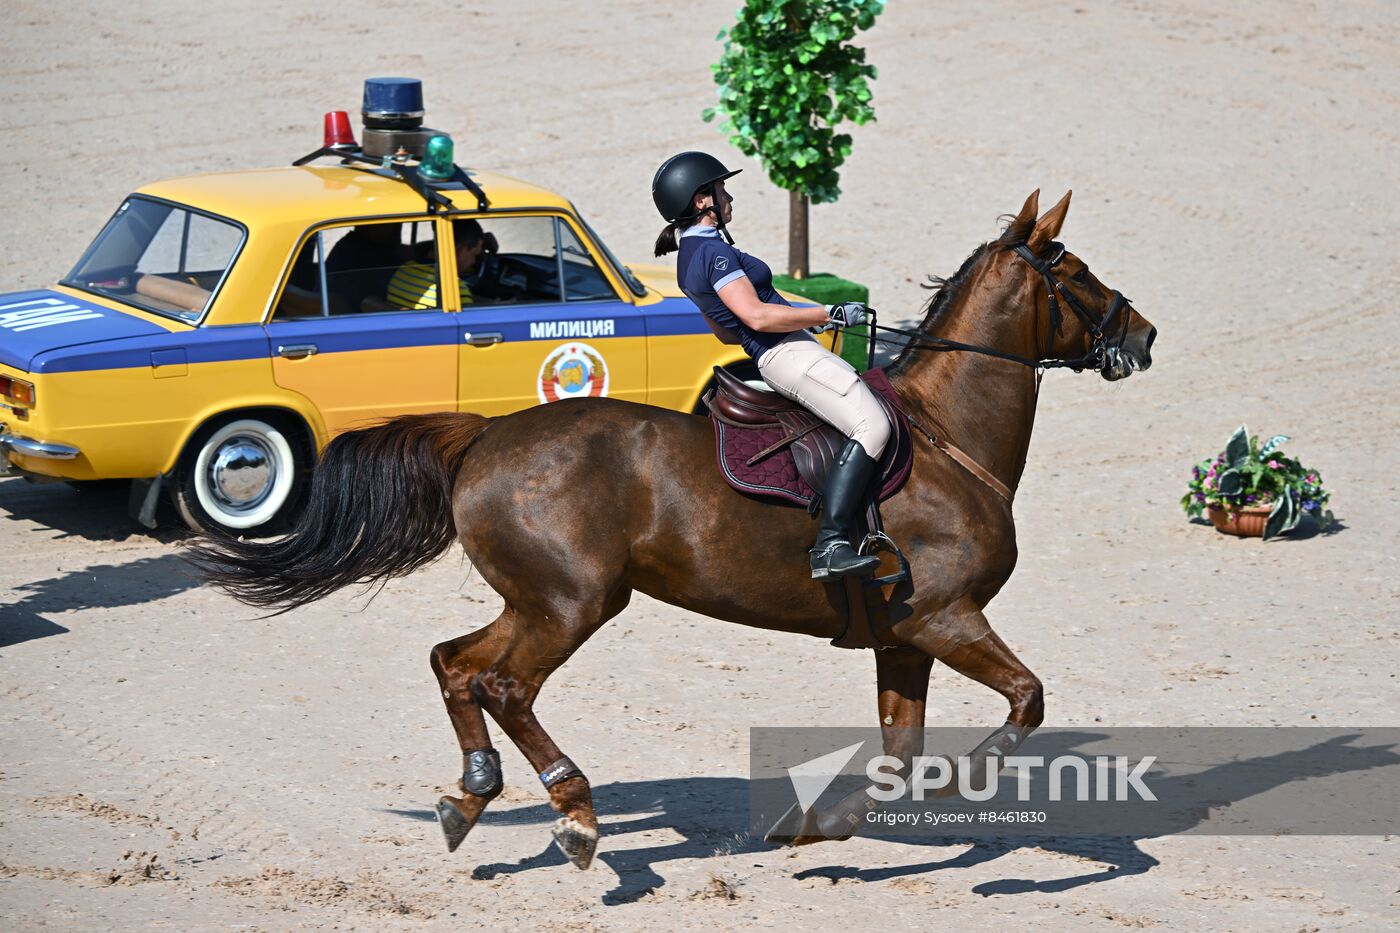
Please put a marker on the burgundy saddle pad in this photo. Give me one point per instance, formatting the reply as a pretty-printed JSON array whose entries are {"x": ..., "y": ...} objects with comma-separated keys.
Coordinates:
[{"x": 761, "y": 460}]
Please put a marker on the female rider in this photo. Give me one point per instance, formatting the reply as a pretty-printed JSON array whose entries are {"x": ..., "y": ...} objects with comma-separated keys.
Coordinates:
[{"x": 734, "y": 291}]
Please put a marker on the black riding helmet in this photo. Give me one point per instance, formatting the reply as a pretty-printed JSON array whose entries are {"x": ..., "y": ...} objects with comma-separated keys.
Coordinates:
[{"x": 680, "y": 177}]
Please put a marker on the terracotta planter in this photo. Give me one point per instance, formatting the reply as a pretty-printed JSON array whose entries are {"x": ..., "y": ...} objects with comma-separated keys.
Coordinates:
[{"x": 1248, "y": 522}]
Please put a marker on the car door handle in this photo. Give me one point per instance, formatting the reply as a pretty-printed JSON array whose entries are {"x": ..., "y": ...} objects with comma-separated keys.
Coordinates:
[
  {"x": 484, "y": 339},
  {"x": 297, "y": 351}
]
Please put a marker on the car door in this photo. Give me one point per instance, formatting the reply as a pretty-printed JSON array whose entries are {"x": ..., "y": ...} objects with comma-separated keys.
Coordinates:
[
  {"x": 359, "y": 353},
  {"x": 543, "y": 323}
]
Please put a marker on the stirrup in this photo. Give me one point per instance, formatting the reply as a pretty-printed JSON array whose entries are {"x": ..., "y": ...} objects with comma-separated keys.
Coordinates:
[
  {"x": 863, "y": 565},
  {"x": 879, "y": 541}
]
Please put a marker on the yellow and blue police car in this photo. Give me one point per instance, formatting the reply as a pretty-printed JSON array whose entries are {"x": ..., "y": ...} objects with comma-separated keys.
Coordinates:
[{"x": 222, "y": 328}]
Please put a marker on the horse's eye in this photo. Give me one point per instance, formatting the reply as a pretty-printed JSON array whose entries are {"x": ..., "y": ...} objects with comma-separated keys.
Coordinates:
[{"x": 1082, "y": 275}]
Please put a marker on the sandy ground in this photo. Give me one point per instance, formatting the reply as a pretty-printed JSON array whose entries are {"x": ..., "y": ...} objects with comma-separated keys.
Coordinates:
[{"x": 167, "y": 761}]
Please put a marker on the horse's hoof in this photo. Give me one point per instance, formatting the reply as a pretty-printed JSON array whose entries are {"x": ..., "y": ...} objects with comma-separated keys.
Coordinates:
[
  {"x": 949, "y": 789},
  {"x": 454, "y": 825},
  {"x": 796, "y": 827},
  {"x": 576, "y": 841}
]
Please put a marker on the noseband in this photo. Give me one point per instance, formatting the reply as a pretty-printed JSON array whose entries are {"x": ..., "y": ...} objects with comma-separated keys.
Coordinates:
[{"x": 1103, "y": 353}]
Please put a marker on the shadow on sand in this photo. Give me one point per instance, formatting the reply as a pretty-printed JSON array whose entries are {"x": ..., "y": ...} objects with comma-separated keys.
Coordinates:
[
  {"x": 105, "y": 586},
  {"x": 95, "y": 512},
  {"x": 710, "y": 815}
]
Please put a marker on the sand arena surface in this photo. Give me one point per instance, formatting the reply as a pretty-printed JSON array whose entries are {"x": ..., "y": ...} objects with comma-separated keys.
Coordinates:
[{"x": 170, "y": 761}]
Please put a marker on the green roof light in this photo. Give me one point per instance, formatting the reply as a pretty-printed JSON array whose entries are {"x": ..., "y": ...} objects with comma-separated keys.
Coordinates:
[{"x": 437, "y": 164}]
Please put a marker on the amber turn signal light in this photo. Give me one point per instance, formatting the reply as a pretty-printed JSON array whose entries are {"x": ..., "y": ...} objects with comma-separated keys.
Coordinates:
[{"x": 17, "y": 391}]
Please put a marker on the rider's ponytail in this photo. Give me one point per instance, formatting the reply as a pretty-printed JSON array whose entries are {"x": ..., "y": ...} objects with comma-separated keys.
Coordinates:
[
  {"x": 666, "y": 242},
  {"x": 669, "y": 240}
]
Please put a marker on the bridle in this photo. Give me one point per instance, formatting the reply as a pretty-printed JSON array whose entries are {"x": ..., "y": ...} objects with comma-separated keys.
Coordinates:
[
  {"x": 1108, "y": 333},
  {"x": 1103, "y": 353}
]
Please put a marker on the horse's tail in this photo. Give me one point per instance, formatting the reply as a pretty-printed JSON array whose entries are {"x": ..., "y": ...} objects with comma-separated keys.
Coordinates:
[{"x": 380, "y": 506}]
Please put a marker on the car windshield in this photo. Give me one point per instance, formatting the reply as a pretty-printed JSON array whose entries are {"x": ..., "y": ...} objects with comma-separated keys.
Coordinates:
[
  {"x": 633, "y": 282},
  {"x": 161, "y": 257}
]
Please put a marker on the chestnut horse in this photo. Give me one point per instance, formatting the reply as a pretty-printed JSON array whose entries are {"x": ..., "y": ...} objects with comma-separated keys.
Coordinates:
[{"x": 565, "y": 509}]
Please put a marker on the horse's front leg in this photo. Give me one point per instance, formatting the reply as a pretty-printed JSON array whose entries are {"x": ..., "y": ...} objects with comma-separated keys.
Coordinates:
[
  {"x": 902, "y": 675},
  {"x": 962, "y": 639}
]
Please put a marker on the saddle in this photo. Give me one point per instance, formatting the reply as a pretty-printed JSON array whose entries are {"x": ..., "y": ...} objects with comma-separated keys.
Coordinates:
[{"x": 768, "y": 445}]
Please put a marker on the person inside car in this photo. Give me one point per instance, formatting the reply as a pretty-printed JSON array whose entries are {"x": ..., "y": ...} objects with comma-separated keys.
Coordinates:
[
  {"x": 362, "y": 263},
  {"x": 415, "y": 283}
]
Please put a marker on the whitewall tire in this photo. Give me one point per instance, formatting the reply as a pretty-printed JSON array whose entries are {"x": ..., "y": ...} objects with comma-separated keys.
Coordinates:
[{"x": 237, "y": 476}]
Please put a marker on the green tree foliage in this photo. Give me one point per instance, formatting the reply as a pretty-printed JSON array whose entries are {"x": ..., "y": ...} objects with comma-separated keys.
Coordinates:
[{"x": 787, "y": 78}]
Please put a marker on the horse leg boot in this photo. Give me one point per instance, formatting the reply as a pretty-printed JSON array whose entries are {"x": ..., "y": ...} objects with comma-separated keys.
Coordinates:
[
  {"x": 846, "y": 482},
  {"x": 455, "y": 663},
  {"x": 576, "y": 831},
  {"x": 507, "y": 690}
]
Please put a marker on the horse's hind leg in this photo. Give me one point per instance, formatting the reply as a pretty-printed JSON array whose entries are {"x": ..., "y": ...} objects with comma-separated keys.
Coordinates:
[
  {"x": 507, "y": 690},
  {"x": 964, "y": 641},
  {"x": 456, "y": 663}
]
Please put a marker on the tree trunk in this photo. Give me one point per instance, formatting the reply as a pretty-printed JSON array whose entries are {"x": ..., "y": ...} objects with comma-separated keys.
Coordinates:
[{"x": 797, "y": 235}]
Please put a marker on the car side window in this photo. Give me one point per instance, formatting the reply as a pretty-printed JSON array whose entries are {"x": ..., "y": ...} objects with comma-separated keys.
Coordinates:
[
  {"x": 363, "y": 268},
  {"x": 528, "y": 260},
  {"x": 517, "y": 262},
  {"x": 583, "y": 280}
]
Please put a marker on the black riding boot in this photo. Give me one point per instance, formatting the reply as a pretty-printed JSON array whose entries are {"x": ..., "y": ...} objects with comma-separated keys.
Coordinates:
[{"x": 832, "y": 555}]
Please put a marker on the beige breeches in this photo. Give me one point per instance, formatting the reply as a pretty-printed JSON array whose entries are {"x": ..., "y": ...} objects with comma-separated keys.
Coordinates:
[{"x": 806, "y": 372}]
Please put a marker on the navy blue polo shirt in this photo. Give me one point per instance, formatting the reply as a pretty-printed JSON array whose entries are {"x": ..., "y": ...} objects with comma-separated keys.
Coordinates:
[{"x": 707, "y": 264}]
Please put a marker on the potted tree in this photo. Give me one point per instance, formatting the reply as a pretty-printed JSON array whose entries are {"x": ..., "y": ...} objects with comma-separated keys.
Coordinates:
[
  {"x": 788, "y": 76},
  {"x": 1255, "y": 490}
]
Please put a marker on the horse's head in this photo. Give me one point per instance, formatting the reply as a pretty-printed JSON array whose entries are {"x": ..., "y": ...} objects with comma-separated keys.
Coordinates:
[{"x": 1089, "y": 324}]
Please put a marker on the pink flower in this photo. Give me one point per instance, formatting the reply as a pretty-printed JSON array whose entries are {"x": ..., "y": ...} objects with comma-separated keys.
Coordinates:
[{"x": 1273, "y": 464}]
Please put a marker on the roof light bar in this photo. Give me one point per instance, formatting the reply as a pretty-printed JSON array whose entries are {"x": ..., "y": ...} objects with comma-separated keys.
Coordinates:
[{"x": 393, "y": 138}]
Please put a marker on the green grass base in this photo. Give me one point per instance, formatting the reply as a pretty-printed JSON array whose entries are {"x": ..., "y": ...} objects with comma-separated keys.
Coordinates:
[{"x": 829, "y": 289}]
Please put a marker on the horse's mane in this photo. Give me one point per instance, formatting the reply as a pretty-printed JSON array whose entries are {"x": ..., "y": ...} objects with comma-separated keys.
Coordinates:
[{"x": 946, "y": 289}]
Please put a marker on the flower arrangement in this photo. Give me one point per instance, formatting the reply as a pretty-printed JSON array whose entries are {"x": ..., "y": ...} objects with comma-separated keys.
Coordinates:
[{"x": 1247, "y": 474}]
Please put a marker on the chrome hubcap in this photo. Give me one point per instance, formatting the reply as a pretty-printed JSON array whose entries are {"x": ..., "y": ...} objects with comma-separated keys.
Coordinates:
[{"x": 242, "y": 472}]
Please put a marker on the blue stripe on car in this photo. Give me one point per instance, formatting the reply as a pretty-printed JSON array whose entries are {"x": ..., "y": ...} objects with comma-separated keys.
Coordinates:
[{"x": 123, "y": 341}]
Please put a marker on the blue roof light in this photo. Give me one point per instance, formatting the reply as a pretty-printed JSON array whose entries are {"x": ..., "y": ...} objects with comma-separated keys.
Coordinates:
[{"x": 393, "y": 98}]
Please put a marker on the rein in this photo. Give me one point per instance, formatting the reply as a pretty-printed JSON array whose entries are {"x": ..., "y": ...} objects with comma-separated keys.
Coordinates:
[{"x": 1100, "y": 354}]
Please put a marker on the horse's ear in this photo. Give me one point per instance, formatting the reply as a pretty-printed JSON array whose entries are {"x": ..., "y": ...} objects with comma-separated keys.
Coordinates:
[
  {"x": 1048, "y": 227},
  {"x": 1029, "y": 210}
]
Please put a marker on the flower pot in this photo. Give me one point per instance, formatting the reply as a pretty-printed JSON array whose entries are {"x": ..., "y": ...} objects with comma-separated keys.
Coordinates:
[{"x": 1248, "y": 522}]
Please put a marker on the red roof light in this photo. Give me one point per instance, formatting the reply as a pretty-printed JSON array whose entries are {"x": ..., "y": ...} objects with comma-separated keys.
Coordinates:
[{"x": 338, "y": 132}]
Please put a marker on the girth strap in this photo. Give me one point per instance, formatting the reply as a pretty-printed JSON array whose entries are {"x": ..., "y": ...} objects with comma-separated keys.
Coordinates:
[{"x": 867, "y": 609}]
